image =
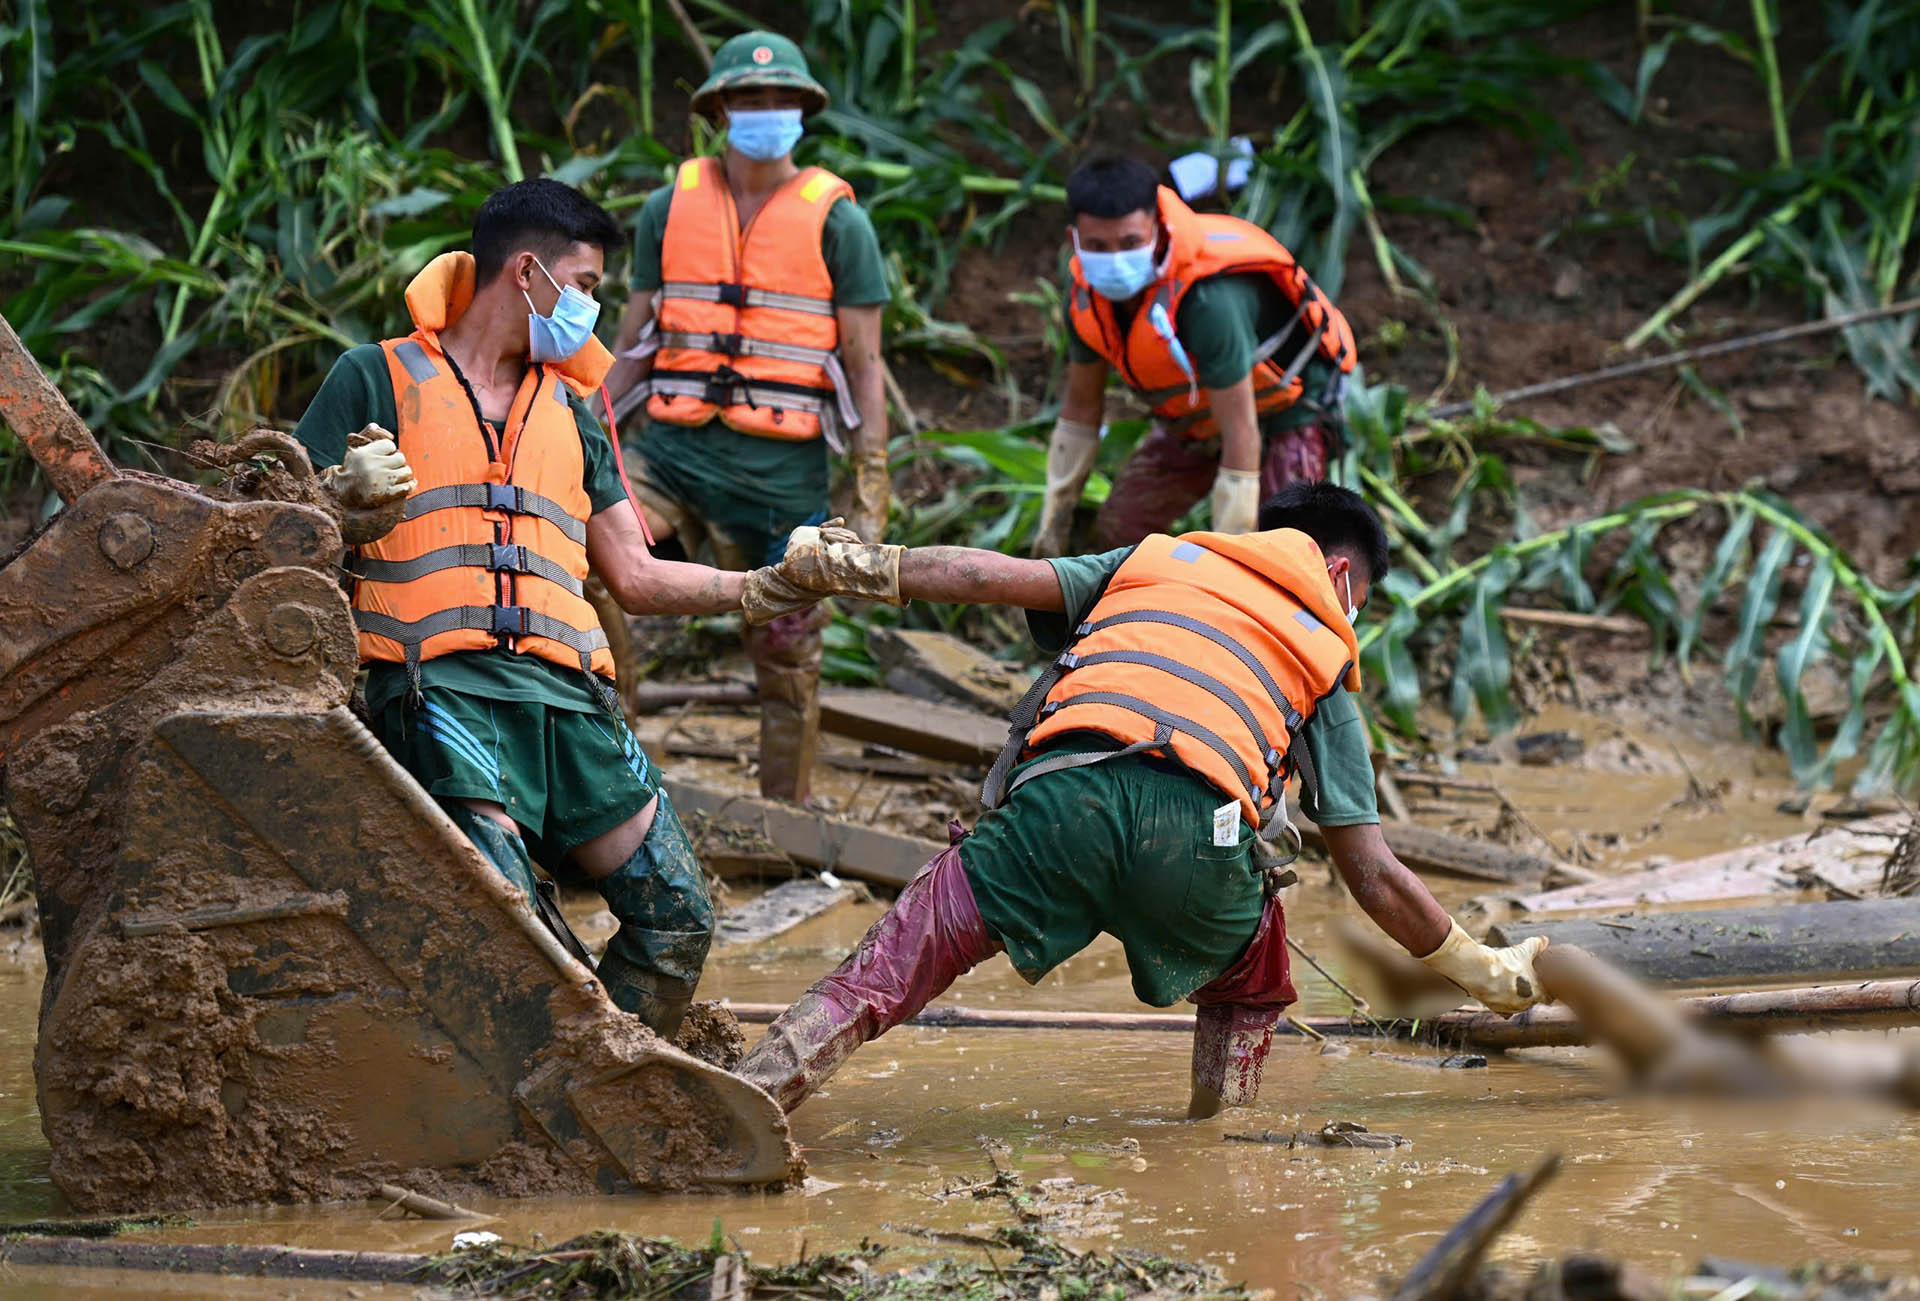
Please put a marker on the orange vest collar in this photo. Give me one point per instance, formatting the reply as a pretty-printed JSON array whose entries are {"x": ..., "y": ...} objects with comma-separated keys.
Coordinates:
[
  {"x": 441, "y": 294},
  {"x": 1293, "y": 561}
]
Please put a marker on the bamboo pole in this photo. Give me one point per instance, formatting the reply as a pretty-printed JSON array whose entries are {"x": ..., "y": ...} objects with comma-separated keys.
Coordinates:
[{"x": 1876, "y": 1005}]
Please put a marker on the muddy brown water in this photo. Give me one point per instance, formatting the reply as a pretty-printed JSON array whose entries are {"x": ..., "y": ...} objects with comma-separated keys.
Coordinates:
[{"x": 1094, "y": 1120}]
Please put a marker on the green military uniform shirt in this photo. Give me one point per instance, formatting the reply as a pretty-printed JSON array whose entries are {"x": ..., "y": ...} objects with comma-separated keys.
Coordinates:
[
  {"x": 359, "y": 391},
  {"x": 1126, "y": 846},
  {"x": 755, "y": 489},
  {"x": 1221, "y": 321}
]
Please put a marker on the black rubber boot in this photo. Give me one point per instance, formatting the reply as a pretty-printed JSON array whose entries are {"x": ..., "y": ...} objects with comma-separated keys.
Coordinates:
[{"x": 659, "y": 897}]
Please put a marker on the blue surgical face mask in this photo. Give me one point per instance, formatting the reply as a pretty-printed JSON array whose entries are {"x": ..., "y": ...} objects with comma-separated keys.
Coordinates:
[
  {"x": 763, "y": 134},
  {"x": 1116, "y": 277},
  {"x": 557, "y": 337}
]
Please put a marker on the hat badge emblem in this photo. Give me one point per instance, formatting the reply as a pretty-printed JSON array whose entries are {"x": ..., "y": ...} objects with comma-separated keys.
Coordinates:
[{"x": 762, "y": 54}]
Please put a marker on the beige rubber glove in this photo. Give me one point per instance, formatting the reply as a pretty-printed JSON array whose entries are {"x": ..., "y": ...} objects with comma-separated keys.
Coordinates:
[
  {"x": 872, "y": 493},
  {"x": 1503, "y": 979},
  {"x": 1070, "y": 455},
  {"x": 1236, "y": 501},
  {"x": 768, "y": 595},
  {"x": 370, "y": 475},
  {"x": 831, "y": 560}
]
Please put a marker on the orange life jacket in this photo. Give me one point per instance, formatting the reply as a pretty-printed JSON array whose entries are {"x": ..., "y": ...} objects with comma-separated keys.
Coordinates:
[
  {"x": 1148, "y": 353},
  {"x": 1212, "y": 649},
  {"x": 746, "y": 324},
  {"x": 492, "y": 551}
]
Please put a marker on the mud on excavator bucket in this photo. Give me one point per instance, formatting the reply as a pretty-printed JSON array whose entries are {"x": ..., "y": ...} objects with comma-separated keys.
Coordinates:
[{"x": 275, "y": 968}]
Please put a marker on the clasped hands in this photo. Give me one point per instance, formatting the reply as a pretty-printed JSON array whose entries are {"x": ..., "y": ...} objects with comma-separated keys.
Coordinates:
[{"x": 823, "y": 560}]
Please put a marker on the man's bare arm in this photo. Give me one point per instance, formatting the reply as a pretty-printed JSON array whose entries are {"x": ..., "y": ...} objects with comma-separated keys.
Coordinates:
[
  {"x": 970, "y": 576},
  {"x": 625, "y": 374},
  {"x": 1386, "y": 889},
  {"x": 1085, "y": 400},
  {"x": 643, "y": 584},
  {"x": 860, "y": 353},
  {"x": 1233, "y": 410}
]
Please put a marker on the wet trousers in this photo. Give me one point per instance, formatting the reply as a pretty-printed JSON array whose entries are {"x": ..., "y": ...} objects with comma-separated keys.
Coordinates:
[
  {"x": 1167, "y": 475},
  {"x": 934, "y": 934}
]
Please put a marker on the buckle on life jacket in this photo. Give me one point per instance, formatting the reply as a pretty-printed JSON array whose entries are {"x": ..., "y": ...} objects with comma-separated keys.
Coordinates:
[
  {"x": 728, "y": 344},
  {"x": 510, "y": 620},
  {"x": 734, "y": 295},
  {"x": 507, "y": 556},
  {"x": 509, "y": 497}
]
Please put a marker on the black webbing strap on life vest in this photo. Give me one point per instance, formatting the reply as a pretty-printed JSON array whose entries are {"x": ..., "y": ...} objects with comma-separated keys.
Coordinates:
[
  {"x": 496, "y": 556},
  {"x": 502, "y": 621},
  {"x": 509, "y": 497}
]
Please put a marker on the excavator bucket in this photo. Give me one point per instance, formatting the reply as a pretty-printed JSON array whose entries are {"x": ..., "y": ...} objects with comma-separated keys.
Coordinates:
[{"x": 275, "y": 969}]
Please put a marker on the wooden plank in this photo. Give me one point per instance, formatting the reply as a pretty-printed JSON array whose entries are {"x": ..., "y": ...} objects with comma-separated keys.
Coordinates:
[
  {"x": 1847, "y": 856},
  {"x": 916, "y": 726},
  {"x": 885, "y": 765},
  {"x": 939, "y": 666},
  {"x": 863, "y": 853},
  {"x": 1425, "y": 850},
  {"x": 777, "y": 911},
  {"x": 1861, "y": 939}
]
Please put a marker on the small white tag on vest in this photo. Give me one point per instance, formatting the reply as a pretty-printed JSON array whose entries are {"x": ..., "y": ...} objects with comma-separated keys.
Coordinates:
[{"x": 1226, "y": 825}]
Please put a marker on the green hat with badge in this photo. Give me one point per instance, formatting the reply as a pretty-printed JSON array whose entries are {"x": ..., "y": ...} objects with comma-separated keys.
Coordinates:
[{"x": 758, "y": 59}]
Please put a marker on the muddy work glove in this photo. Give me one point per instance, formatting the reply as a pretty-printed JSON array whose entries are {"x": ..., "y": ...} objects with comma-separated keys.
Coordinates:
[
  {"x": 872, "y": 493},
  {"x": 769, "y": 595},
  {"x": 1236, "y": 501},
  {"x": 1503, "y": 979},
  {"x": 831, "y": 560},
  {"x": 372, "y": 474},
  {"x": 1070, "y": 455}
]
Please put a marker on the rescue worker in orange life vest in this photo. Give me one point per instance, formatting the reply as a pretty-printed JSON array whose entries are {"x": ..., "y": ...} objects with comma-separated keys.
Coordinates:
[
  {"x": 752, "y": 343},
  {"x": 1218, "y": 331},
  {"x": 488, "y": 674},
  {"x": 1146, "y": 768}
]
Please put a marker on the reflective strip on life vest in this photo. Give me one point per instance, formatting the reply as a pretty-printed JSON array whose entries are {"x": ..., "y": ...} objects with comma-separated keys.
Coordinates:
[
  {"x": 508, "y": 497},
  {"x": 1256, "y": 791},
  {"x": 740, "y": 345},
  {"x": 501, "y": 557},
  {"x": 742, "y": 296},
  {"x": 727, "y": 391}
]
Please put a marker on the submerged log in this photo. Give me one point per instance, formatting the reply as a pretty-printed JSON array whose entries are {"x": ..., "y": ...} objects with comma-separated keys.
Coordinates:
[
  {"x": 1810, "y": 941},
  {"x": 231, "y": 1259},
  {"x": 1878, "y": 1005}
]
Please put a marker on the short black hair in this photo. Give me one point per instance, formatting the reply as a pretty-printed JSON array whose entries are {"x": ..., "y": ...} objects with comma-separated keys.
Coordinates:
[
  {"x": 544, "y": 216},
  {"x": 1112, "y": 185},
  {"x": 1337, "y": 518}
]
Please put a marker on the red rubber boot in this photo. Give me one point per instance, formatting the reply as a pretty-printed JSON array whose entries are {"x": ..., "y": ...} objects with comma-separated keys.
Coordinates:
[{"x": 926, "y": 941}]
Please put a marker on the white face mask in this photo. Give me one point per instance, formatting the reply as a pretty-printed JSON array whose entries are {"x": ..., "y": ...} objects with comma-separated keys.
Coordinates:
[{"x": 1353, "y": 611}]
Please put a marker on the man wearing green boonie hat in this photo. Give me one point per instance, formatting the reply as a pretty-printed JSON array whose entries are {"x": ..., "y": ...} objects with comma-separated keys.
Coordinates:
[{"x": 752, "y": 343}]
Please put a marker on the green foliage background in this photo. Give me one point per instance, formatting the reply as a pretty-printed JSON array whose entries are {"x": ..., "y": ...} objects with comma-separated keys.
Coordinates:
[{"x": 203, "y": 202}]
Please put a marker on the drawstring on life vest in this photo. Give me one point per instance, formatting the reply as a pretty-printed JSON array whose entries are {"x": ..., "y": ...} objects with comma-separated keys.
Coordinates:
[
  {"x": 620, "y": 464},
  {"x": 1163, "y": 326}
]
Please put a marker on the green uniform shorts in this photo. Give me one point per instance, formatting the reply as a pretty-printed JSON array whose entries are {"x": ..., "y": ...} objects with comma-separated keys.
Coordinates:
[
  {"x": 564, "y": 775},
  {"x": 1124, "y": 846}
]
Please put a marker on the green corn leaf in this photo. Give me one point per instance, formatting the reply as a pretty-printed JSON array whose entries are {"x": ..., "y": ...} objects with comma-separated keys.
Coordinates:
[
  {"x": 1743, "y": 655},
  {"x": 1853, "y": 725},
  {"x": 1791, "y": 662},
  {"x": 1733, "y": 545},
  {"x": 1482, "y": 672}
]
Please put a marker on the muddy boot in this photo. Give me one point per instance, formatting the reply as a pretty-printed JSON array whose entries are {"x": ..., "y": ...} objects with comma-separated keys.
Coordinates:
[
  {"x": 925, "y": 942},
  {"x": 659, "y": 897},
  {"x": 786, "y": 666},
  {"x": 1230, "y": 1046}
]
